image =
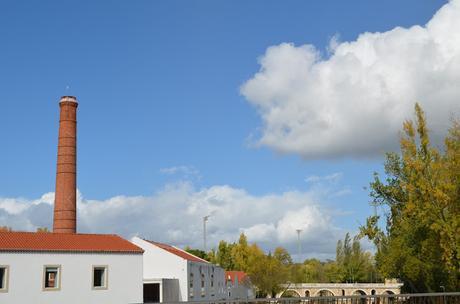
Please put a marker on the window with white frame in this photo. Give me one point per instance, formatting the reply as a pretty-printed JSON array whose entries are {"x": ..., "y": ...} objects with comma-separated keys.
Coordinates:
[
  {"x": 51, "y": 277},
  {"x": 3, "y": 278},
  {"x": 100, "y": 277}
]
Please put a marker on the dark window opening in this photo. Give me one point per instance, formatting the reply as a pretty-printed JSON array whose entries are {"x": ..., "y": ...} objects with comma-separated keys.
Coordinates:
[
  {"x": 99, "y": 277},
  {"x": 2, "y": 277},
  {"x": 51, "y": 277},
  {"x": 152, "y": 293}
]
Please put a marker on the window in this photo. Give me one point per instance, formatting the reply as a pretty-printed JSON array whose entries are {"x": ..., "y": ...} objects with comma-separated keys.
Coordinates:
[
  {"x": 52, "y": 277},
  {"x": 100, "y": 277},
  {"x": 203, "y": 292},
  {"x": 212, "y": 285},
  {"x": 3, "y": 278},
  {"x": 191, "y": 286}
]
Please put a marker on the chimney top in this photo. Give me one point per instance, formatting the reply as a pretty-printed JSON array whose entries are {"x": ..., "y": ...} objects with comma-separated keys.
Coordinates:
[{"x": 68, "y": 99}]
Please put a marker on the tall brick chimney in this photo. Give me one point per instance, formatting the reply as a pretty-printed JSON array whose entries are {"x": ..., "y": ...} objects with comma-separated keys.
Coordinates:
[{"x": 65, "y": 202}]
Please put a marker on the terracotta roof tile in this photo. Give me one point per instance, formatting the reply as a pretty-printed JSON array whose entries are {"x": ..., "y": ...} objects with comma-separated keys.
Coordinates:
[
  {"x": 65, "y": 242},
  {"x": 233, "y": 275},
  {"x": 179, "y": 252}
]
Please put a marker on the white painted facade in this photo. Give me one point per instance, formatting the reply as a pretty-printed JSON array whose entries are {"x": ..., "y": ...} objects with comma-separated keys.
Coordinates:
[
  {"x": 26, "y": 278},
  {"x": 161, "y": 264}
]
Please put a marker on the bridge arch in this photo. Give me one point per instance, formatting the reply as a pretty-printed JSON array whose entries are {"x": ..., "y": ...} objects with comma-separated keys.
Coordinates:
[
  {"x": 389, "y": 292},
  {"x": 290, "y": 293},
  {"x": 325, "y": 293},
  {"x": 359, "y": 292},
  {"x": 307, "y": 293}
]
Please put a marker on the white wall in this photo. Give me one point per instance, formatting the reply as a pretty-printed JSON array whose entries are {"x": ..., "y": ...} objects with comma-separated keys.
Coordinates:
[
  {"x": 26, "y": 278},
  {"x": 160, "y": 264}
]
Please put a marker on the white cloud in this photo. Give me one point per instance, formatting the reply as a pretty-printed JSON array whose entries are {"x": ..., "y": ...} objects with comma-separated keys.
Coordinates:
[
  {"x": 353, "y": 102},
  {"x": 334, "y": 177},
  {"x": 175, "y": 213},
  {"x": 186, "y": 171}
]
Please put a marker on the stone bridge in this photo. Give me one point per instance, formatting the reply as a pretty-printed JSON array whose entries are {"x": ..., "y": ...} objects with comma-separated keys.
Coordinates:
[{"x": 339, "y": 289}]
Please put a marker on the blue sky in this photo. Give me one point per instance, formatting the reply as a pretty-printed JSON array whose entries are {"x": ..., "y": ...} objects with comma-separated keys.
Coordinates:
[{"x": 166, "y": 106}]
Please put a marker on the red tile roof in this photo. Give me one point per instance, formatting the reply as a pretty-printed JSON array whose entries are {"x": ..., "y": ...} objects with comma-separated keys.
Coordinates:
[
  {"x": 179, "y": 252},
  {"x": 233, "y": 275},
  {"x": 65, "y": 242}
]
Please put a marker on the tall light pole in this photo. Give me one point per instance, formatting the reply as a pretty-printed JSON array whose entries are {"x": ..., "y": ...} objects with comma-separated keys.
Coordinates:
[
  {"x": 205, "y": 219},
  {"x": 298, "y": 242}
]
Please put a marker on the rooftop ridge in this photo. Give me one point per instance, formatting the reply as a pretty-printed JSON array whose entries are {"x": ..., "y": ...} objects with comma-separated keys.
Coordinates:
[
  {"x": 183, "y": 254},
  {"x": 64, "y": 233},
  {"x": 65, "y": 242}
]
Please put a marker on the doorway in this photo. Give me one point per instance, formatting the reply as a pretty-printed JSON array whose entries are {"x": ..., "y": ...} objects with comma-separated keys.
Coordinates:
[{"x": 151, "y": 292}]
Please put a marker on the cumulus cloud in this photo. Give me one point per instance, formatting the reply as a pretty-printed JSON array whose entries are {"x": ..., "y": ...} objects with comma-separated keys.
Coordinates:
[
  {"x": 353, "y": 102},
  {"x": 174, "y": 215}
]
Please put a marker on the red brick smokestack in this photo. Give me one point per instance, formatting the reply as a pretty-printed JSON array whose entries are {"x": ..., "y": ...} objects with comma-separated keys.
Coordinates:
[{"x": 65, "y": 202}]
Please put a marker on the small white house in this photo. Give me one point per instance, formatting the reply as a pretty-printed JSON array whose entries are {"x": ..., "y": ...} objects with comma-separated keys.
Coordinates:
[
  {"x": 56, "y": 268},
  {"x": 188, "y": 277}
]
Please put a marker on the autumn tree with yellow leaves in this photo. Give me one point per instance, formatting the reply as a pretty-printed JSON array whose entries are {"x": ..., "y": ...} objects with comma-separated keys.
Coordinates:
[{"x": 421, "y": 198}]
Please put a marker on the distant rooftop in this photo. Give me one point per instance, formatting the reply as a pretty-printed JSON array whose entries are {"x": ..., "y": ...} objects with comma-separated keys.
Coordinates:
[
  {"x": 65, "y": 242},
  {"x": 233, "y": 276}
]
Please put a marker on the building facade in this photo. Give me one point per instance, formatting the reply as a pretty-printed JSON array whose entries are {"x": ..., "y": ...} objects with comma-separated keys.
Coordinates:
[
  {"x": 239, "y": 286},
  {"x": 69, "y": 268},
  {"x": 194, "y": 279}
]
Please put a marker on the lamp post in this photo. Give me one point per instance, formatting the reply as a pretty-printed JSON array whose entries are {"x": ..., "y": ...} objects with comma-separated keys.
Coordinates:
[
  {"x": 205, "y": 219},
  {"x": 298, "y": 242}
]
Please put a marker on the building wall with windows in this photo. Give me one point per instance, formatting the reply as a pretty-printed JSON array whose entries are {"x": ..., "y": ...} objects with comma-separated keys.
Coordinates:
[
  {"x": 118, "y": 278},
  {"x": 208, "y": 282}
]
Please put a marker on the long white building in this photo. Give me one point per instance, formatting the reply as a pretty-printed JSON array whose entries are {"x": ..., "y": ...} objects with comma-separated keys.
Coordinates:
[
  {"x": 66, "y": 268},
  {"x": 172, "y": 274}
]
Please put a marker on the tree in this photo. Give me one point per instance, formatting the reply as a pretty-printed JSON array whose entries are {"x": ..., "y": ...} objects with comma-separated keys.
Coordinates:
[
  {"x": 353, "y": 263},
  {"x": 267, "y": 274},
  {"x": 421, "y": 195},
  {"x": 224, "y": 255},
  {"x": 198, "y": 252},
  {"x": 240, "y": 253},
  {"x": 283, "y": 256}
]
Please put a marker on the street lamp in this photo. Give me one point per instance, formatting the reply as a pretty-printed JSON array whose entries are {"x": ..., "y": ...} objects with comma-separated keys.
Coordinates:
[
  {"x": 298, "y": 242},
  {"x": 205, "y": 219}
]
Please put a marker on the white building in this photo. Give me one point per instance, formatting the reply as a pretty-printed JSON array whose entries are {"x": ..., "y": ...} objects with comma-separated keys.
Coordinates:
[
  {"x": 69, "y": 268},
  {"x": 172, "y": 274}
]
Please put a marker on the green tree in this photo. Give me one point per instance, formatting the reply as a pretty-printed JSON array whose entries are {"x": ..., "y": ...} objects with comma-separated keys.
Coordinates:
[
  {"x": 314, "y": 271},
  {"x": 198, "y": 252},
  {"x": 267, "y": 274},
  {"x": 224, "y": 257},
  {"x": 421, "y": 195},
  {"x": 353, "y": 263},
  {"x": 283, "y": 256},
  {"x": 240, "y": 253}
]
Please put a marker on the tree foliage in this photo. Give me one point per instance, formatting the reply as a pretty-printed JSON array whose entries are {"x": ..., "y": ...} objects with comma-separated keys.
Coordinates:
[
  {"x": 268, "y": 271},
  {"x": 198, "y": 252},
  {"x": 421, "y": 196},
  {"x": 354, "y": 264}
]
